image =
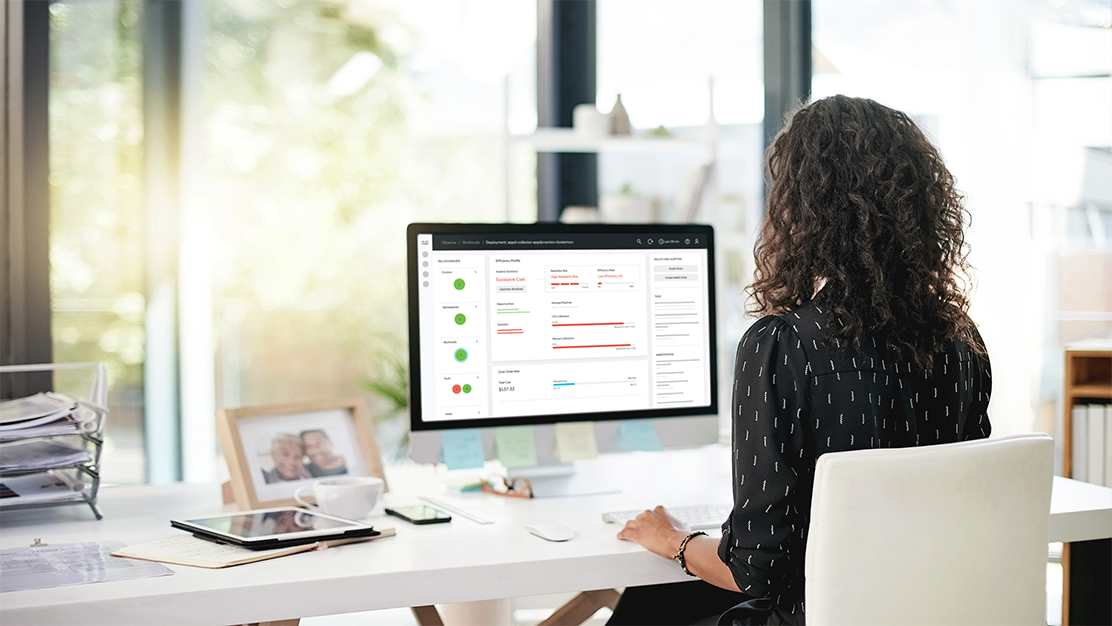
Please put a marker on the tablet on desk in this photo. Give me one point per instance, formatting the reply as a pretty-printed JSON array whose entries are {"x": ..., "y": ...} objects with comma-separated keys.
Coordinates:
[{"x": 274, "y": 528}]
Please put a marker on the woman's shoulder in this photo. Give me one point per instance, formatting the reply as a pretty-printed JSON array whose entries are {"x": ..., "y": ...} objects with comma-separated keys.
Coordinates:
[
  {"x": 804, "y": 323},
  {"x": 771, "y": 333},
  {"x": 767, "y": 326},
  {"x": 808, "y": 320}
]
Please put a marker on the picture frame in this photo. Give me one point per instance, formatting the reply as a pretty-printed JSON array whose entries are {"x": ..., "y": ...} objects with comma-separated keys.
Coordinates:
[{"x": 273, "y": 450}]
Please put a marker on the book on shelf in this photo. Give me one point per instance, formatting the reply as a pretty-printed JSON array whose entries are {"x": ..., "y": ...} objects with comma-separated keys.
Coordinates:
[
  {"x": 1096, "y": 443},
  {"x": 1091, "y": 458},
  {"x": 1079, "y": 458},
  {"x": 1108, "y": 445},
  {"x": 194, "y": 552}
]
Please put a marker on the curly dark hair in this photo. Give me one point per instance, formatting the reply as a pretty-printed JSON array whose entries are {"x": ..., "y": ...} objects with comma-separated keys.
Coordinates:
[{"x": 859, "y": 198}]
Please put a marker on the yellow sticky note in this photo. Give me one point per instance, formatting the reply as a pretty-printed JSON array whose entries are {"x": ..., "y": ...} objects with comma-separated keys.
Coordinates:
[
  {"x": 576, "y": 441},
  {"x": 515, "y": 446}
]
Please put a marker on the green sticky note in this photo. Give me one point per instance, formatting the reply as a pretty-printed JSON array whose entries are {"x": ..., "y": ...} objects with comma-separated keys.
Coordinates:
[
  {"x": 462, "y": 448},
  {"x": 639, "y": 435},
  {"x": 515, "y": 446},
  {"x": 576, "y": 441}
]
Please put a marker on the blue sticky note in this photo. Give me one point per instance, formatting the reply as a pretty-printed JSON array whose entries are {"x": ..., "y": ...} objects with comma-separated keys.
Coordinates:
[
  {"x": 462, "y": 448},
  {"x": 639, "y": 435}
]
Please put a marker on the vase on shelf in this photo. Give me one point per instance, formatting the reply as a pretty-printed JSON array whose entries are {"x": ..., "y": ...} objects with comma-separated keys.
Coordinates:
[{"x": 619, "y": 119}]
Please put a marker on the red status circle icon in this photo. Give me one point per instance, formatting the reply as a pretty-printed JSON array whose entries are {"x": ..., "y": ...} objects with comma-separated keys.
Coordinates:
[{"x": 456, "y": 389}]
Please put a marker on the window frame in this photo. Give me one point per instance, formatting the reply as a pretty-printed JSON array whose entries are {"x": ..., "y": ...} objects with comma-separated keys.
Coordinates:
[{"x": 25, "y": 208}]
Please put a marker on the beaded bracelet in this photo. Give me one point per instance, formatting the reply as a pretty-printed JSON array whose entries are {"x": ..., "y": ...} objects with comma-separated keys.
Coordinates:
[{"x": 683, "y": 546}]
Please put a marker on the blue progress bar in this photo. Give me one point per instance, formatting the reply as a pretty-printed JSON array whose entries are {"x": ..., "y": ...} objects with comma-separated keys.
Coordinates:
[{"x": 561, "y": 384}]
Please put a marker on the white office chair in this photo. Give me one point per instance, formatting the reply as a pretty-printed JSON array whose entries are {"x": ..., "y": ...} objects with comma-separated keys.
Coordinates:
[{"x": 946, "y": 534}]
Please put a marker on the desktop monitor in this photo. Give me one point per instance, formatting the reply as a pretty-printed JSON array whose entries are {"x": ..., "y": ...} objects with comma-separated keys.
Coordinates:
[{"x": 513, "y": 324}]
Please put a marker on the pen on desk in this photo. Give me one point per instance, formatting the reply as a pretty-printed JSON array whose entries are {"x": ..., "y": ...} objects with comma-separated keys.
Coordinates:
[
  {"x": 455, "y": 509},
  {"x": 70, "y": 482}
]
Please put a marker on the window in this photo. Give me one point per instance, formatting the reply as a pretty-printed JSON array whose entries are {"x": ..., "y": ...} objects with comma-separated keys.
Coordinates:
[
  {"x": 329, "y": 126},
  {"x": 97, "y": 246},
  {"x": 313, "y": 132}
]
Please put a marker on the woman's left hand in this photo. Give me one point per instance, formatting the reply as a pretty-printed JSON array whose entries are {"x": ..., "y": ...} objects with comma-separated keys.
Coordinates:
[{"x": 657, "y": 531}]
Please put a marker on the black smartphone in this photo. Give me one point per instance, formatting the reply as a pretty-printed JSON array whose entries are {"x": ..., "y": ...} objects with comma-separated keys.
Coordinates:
[{"x": 419, "y": 514}]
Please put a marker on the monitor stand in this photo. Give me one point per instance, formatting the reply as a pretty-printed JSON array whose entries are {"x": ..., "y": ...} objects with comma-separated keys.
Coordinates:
[{"x": 553, "y": 481}]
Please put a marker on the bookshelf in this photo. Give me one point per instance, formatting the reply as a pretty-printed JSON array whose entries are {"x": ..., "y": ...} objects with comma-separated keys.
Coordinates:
[{"x": 1088, "y": 377}]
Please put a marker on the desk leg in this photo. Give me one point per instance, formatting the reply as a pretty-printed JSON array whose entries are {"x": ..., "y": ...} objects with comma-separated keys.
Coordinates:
[
  {"x": 482, "y": 613},
  {"x": 1090, "y": 578},
  {"x": 426, "y": 616},
  {"x": 580, "y": 608}
]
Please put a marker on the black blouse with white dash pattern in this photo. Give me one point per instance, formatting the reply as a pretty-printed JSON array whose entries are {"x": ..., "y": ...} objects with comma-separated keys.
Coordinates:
[{"x": 795, "y": 399}]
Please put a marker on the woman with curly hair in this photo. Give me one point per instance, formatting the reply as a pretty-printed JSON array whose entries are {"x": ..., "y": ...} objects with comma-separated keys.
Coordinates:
[{"x": 865, "y": 342}]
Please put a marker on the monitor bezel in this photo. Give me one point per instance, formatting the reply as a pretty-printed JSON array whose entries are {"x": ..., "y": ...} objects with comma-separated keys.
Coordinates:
[{"x": 413, "y": 278}]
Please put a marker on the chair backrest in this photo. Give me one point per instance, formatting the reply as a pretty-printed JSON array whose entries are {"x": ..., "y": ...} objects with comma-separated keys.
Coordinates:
[{"x": 945, "y": 534}]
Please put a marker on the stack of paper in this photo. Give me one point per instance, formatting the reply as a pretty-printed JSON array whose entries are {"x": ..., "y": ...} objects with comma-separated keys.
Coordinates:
[
  {"x": 40, "y": 487},
  {"x": 27, "y": 455},
  {"x": 44, "y": 415}
]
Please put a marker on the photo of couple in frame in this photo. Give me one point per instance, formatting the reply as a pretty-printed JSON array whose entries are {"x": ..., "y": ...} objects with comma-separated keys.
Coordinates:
[{"x": 273, "y": 450}]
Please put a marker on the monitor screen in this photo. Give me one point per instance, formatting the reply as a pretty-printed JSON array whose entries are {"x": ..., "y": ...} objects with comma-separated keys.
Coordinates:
[{"x": 545, "y": 323}]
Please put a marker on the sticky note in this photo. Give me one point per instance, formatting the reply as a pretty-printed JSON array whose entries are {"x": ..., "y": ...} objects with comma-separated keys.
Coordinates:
[
  {"x": 576, "y": 441},
  {"x": 462, "y": 448},
  {"x": 639, "y": 435},
  {"x": 515, "y": 446}
]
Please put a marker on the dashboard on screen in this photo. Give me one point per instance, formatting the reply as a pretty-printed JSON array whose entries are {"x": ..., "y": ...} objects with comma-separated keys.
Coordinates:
[{"x": 545, "y": 323}]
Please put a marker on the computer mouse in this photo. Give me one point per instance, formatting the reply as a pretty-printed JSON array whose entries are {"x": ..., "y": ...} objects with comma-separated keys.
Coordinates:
[{"x": 551, "y": 531}]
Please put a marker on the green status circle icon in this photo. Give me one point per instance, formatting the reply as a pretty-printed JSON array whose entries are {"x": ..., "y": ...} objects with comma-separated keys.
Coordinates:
[
  {"x": 467, "y": 389},
  {"x": 459, "y": 284},
  {"x": 461, "y": 355},
  {"x": 460, "y": 318}
]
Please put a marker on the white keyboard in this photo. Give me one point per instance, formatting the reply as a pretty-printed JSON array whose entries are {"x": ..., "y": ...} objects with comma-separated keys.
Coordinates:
[{"x": 697, "y": 516}]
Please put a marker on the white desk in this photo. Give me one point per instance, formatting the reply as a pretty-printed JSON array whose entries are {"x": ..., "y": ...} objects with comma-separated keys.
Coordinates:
[
  {"x": 457, "y": 562},
  {"x": 1080, "y": 511}
]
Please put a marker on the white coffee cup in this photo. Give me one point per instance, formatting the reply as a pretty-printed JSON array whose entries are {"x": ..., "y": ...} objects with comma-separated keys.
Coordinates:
[{"x": 350, "y": 497}]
